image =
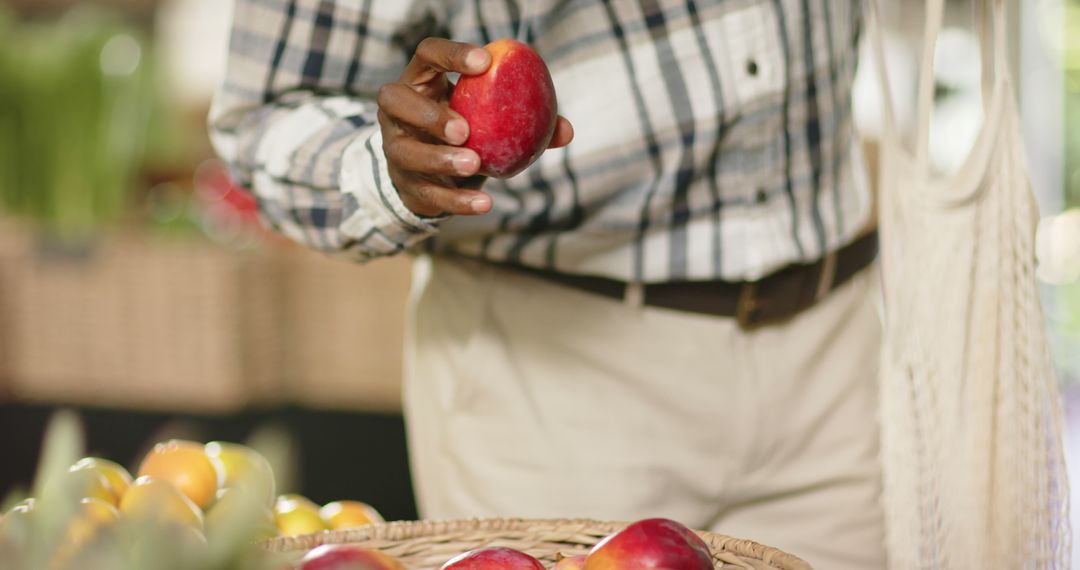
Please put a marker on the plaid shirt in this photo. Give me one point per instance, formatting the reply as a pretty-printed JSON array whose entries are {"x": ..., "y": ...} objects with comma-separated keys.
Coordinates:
[{"x": 714, "y": 138}]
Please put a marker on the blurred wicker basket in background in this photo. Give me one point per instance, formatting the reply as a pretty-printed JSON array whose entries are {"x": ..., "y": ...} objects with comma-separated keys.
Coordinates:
[
  {"x": 186, "y": 324},
  {"x": 140, "y": 323},
  {"x": 342, "y": 326},
  {"x": 426, "y": 545}
]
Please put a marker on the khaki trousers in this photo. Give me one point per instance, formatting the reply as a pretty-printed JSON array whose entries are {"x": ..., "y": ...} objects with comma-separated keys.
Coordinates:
[{"x": 525, "y": 398}]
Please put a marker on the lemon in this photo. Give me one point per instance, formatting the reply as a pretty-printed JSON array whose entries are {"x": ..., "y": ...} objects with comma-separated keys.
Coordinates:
[{"x": 349, "y": 514}]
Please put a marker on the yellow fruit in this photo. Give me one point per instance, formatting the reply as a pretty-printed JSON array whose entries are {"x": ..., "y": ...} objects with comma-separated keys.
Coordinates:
[
  {"x": 237, "y": 514},
  {"x": 80, "y": 484},
  {"x": 186, "y": 547},
  {"x": 295, "y": 515},
  {"x": 294, "y": 498},
  {"x": 158, "y": 501},
  {"x": 99, "y": 511},
  {"x": 349, "y": 514},
  {"x": 186, "y": 466},
  {"x": 94, "y": 515},
  {"x": 117, "y": 477},
  {"x": 194, "y": 545},
  {"x": 241, "y": 466}
]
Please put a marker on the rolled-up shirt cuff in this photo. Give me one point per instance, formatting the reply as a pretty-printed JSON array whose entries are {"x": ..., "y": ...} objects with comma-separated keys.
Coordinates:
[{"x": 374, "y": 212}]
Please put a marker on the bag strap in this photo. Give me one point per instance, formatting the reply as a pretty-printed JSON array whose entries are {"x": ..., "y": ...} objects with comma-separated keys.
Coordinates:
[
  {"x": 995, "y": 61},
  {"x": 888, "y": 112},
  {"x": 984, "y": 29},
  {"x": 935, "y": 10},
  {"x": 993, "y": 43},
  {"x": 935, "y": 13}
]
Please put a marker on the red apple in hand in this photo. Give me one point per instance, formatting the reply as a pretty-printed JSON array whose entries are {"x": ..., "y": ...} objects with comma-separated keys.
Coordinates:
[
  {"x": 659, "y": 544},
  {"x": 511, "y": 109},
  {"x": 495, "y": 558},
  {"x": 345, "y": 557}
]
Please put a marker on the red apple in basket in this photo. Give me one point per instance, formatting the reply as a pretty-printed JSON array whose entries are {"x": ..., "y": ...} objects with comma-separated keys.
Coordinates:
[
  {"x": 347, "y": 557},
  {"x": 510, "y": 108},
  {"x": 571, "y": 563},
  {"x": 495, "y": 558},
  {"x": 659, "y": 544}
]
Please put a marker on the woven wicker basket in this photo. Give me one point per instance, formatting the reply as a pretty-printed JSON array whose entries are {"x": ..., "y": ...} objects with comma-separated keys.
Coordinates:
[
  {"x": 140, "y": 322},
  {"x": 427, "y": 545}
]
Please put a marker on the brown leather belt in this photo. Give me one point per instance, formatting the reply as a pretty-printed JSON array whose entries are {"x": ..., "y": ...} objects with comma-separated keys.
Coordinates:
[{"x": 774, "y": 298}]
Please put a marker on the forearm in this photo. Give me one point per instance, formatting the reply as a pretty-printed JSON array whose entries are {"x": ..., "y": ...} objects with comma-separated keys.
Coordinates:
[
  {"x": 316, "y": 166},
  {"x": 302, "y": 134}
]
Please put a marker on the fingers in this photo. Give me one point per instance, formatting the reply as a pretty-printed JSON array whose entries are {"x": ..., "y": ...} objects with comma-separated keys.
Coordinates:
[
  {"x": 428, "y": 198},
  {"x": 410, "y": 155},
  {"x": 564, "y": 133},
  {"x": 437, "y": 179},
  {"x": 426, "y": 175},
  {"x": 406, "y": 106},
  {"x": 437, "y": 56}
]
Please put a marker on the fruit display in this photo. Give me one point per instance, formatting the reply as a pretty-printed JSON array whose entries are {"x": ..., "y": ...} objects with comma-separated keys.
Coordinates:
[
  {"x": 648, "y": 544},
  {"x": 511, "y": 109},
  {"x": 210, "y": 506},
  {"x": 192, "y": 505}
]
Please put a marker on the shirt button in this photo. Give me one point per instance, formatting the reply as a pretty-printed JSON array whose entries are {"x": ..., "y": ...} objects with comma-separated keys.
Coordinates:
[
  {"x": 761, "y": 197},
  {"x": 752, "y": 67}
]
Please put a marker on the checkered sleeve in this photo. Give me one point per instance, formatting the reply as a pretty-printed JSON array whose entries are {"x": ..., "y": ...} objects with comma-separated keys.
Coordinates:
[{"x": 295, "y": 118}]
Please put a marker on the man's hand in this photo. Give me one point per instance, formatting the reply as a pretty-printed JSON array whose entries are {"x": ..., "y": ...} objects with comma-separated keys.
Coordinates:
[{"x": 422, "y": 134}]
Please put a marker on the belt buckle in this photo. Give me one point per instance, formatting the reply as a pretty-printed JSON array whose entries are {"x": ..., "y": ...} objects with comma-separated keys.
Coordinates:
[{"x": 747, "y": 305}]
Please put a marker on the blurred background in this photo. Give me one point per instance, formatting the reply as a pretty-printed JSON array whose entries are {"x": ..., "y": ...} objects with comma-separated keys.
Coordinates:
[
  {"x": 136, "y": 284},
  {"x": 137, "y": 287}
]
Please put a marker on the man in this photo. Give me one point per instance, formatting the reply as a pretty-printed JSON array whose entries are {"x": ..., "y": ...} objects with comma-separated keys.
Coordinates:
[{"x": 670, "y": 316}]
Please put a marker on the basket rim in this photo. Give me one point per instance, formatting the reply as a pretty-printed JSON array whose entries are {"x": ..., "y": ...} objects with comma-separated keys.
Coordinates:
[{"x": 407, "y": 530}]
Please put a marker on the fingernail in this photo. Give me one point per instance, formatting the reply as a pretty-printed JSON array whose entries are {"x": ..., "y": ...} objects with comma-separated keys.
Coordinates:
[
  {"x": 477, "y": 59},
  {"x": 457, "y": 131},
  {"x": 465, "y": 163},
  {"x": 479, "y": 204}
]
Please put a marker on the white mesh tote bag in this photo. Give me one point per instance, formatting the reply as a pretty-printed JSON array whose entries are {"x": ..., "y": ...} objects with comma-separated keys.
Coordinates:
[{"x": 971, "y": 426}]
